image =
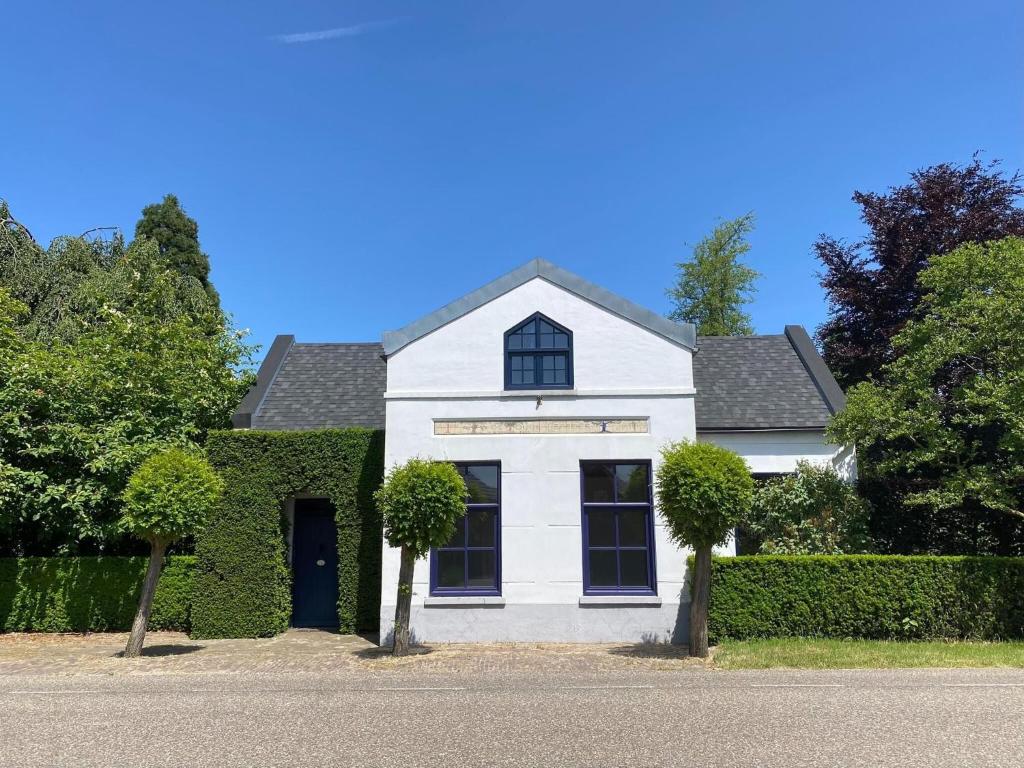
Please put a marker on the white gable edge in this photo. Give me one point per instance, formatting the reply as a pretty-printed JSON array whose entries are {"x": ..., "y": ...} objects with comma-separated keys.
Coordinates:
[{"x": 684, "y": 334}]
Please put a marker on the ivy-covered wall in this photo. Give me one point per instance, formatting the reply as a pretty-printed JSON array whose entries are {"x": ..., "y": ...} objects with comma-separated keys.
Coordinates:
[{"x": 242, "y": 581}]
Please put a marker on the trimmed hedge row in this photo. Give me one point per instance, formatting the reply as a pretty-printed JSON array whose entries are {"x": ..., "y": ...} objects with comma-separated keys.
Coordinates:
[
  {"x": 90, "y": 594},
  {"x": 243, "y": 583},
  {"x": 867, "y": 596}
]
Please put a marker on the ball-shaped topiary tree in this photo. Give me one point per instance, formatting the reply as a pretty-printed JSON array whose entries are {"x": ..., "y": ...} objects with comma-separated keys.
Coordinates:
[
  {"x": 703, "y": 492},
  {"x": 421, "y": 502},
  {"x": 168, "y": 497}
]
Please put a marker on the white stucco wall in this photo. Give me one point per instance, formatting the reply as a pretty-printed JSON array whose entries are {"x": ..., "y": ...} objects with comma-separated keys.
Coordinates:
[
  {"x": 621, "y": 370},
  {"x": 780, "y": 450}
]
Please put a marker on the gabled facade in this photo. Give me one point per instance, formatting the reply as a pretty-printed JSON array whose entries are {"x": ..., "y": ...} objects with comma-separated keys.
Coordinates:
[{"x": 554, "y": 397}]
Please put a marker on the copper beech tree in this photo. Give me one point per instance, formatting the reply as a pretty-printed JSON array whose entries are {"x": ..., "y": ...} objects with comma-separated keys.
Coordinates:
[
  {"x": 704, "y": 491},
  {"x": 421, "y": 502}
]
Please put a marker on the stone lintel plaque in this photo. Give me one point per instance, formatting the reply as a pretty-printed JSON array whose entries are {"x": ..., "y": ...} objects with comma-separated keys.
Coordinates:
[{"x": 540, "y": 426}]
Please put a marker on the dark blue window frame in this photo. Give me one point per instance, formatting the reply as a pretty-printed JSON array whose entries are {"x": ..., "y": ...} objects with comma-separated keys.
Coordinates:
[
  {"x": 615, "y": 506},
  {"x": 538, "y": 353},
  {"x": 465, "y": 547}
]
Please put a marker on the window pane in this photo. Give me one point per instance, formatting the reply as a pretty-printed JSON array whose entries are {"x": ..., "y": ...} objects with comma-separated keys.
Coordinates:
[
  {"x": 631, "y": 482},
  {"x": 600, "y": 528},
  {"x": 561, "y": 341},
  {"x": 633, "y": 563},
  {"x": 598, "y": 482},
  {"x": 632, "y": 528},
  {"x": 546, "y": 329},
  {"x": 482, "y": 482},
  {"x": 527, "y": 370},
  {"x": 529, "y": 334},
  {"x": 602, "y": 568},
  {"x": 515, "y": 341},
  {"x": 547, "y": 340},
  {"x": 481, "y": 527},
  {"x": 451, "y": 568},
  {"x": 481, "y": 568},
  {"x": 458, "y": 539}
]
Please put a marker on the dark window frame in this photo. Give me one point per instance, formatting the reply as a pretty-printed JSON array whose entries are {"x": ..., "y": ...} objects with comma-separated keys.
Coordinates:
[
  {"x": 652, "y": 571},
  {"x": 538, "y": 352},
  {"x": 467, "y": 591}
]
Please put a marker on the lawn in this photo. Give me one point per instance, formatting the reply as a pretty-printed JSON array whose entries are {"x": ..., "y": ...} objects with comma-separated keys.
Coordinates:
[{"x": 864, "y": 654}]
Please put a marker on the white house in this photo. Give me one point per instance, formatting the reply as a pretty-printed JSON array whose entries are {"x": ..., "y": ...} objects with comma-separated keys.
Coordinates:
[{"x": 554, "y": 396}]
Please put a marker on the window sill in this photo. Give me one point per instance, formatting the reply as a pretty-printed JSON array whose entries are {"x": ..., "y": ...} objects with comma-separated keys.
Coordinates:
[
  {"x": 622, "y": 600},
  {"x": 465, "y": 601}
]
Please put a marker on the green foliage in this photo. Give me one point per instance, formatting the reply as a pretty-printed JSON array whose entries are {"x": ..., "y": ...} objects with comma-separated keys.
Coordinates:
[
  {"x": 947, "y": 418},
  {"x": 170, "y": 496},
  {"x": 421, "y": 502},
  {"x": 243, "y": 584},
  {"x": 811, "y": 512},
  {"x": 90, "y": 594},
  {"x": 177, "y": 236},
  {"x": 713, "y": 286},
  {"x": 867, "y": 596},
  {"x": 704, "y": 491},
  {"x": 86, "y": 393}
]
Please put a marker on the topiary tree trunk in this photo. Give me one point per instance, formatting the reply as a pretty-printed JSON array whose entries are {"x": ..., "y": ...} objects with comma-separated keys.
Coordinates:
[
  {"x": 403, "y": 605},
  {"x": 699, "y": 602},
  {"x": 138, "y": 635}
]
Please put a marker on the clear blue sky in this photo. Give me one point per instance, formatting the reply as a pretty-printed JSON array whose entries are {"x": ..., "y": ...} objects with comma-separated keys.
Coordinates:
[{"x": 348, "y": 184}]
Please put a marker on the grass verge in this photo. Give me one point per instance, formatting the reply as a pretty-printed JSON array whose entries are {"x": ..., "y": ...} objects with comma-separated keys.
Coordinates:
[{"x": 803, "y": 653}]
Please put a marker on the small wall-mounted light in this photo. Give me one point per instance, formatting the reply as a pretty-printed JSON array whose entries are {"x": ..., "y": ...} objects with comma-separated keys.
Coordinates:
[{"x": 540, "y": 401}]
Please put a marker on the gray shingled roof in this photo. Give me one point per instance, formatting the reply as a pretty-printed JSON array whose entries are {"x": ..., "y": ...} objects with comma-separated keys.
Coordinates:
[
  {"x": 325, "y": 385},
  {"x": 743, "y": 382},
  {"x": 762, "y": 382}
]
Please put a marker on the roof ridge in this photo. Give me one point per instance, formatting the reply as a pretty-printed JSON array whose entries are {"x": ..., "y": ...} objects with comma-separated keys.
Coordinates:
[
  {"x": 338, "y": 344},
  {"x": 748, "y": 336}
]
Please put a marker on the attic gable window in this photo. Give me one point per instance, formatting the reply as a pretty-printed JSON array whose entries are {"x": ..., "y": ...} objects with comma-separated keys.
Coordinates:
[{"x": 538, "y": 355}]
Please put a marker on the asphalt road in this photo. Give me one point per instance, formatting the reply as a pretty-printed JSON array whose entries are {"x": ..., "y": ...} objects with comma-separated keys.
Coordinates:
[{"x": 632, "y": 718}]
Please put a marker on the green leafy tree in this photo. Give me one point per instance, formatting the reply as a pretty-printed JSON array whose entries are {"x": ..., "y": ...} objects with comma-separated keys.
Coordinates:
[
  {"x": 704, "y": 491},
  {"x": 713, "y": 286},
  {"x": 421, "y": 502},
  {"x": 177, "y": 235},
  {"x": 76, "y": 417},
  {"x": 947, "y": 420},
  {"x": 811, "y": 512},
  {"x": 170, "y": 496}
]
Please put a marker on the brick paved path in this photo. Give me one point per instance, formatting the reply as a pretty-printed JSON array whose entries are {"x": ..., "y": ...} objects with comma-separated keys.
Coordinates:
[{"x": 310, "y": 651}]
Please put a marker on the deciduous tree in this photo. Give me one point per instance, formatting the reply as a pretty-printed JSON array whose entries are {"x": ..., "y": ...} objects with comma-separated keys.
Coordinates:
[
  {"x": 168, "y": 497},
  {"x": 421, "y": 503},
  {"x": 713, "y": 286},
  {"x": 704, "y": 491},
  {"x": 872, "y": 284},
  {"x": 946, "y": 418}
]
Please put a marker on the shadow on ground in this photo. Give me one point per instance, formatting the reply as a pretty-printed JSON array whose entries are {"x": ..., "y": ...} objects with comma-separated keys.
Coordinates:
[
  {"x": 651, "y": 651},
  {"x": 384, "y": 652},
  {"x": 165, "y": 650}
]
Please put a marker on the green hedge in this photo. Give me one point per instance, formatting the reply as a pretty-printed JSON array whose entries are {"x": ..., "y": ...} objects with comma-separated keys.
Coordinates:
[
  {"x": 90, "y": 594},
  {"x": 867, "y": 596},
  {"x": 243, "y": 584}
]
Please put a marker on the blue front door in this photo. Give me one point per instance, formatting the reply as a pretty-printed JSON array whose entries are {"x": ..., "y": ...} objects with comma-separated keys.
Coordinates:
[{"x": 314, "y": 564}]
